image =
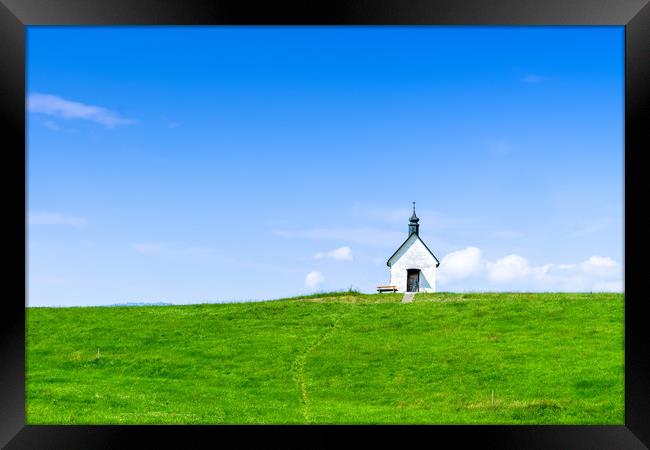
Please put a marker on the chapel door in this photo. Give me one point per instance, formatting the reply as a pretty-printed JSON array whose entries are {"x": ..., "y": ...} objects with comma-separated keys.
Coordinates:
[{"x": 413, "y": 280}]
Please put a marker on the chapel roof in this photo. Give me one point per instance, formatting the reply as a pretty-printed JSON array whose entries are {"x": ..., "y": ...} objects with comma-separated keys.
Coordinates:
[{"x": 404, "y": 243}]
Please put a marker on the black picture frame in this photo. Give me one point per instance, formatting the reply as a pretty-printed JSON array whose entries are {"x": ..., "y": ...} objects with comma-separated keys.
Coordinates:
[{"x": 15, "y": 15}]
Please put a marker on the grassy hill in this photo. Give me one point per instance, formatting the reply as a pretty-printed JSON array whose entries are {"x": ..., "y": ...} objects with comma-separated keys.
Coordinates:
[{"x": 332, "y": 358}]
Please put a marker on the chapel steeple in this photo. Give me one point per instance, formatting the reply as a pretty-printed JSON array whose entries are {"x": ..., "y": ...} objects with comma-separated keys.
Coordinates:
[{"x": 414, "y": 227}]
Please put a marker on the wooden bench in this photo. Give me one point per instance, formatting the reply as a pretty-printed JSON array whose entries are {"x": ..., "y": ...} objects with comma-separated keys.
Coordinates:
[{"x": 381, "y": 289}]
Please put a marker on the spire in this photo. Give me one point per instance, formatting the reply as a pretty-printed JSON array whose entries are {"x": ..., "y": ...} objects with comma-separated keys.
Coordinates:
[
  {"x": 414, "y": 218},
  {"x": 413, "y": 223}
]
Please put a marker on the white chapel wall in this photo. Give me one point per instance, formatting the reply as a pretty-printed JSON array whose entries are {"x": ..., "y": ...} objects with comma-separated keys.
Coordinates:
[{"x": 414, "y": 255}]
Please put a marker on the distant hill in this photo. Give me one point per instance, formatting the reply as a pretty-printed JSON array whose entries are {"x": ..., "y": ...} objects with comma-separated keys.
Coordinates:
[{"x": 344, "y": 357}]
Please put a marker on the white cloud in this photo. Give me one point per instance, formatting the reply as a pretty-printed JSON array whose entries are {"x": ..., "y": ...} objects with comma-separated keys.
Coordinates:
[
  {"x": 67, "y": 109},
  {"x": 314, "y": 279},
  {"x": 48, "y": 218},
  {"x": 338, "y": 254},
  {"x": 532, "y": 78},
  {"x": 514, "y": 272},
  {"x": 598, "y": 262},
  {"x": 513, "y": 267},
  {"x": 599, "y": 266},
  {"x": 460, "y": 264}
]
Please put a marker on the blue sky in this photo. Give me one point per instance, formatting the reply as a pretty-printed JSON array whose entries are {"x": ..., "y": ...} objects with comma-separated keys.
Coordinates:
[{"x": 203, "y": 164}]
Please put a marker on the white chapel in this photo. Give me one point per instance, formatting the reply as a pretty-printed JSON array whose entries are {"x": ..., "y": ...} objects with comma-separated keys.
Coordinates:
[{"x": 413, "y": 266}]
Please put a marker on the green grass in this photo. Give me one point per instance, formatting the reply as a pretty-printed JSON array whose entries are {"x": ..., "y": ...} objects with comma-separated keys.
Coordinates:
[{"x": 332, "y": 358}]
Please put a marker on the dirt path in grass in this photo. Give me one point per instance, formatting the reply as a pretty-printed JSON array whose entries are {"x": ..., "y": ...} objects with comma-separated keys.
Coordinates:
[
  {"x": 299, "y": 365},
  {"x": 408, "y": 297}
]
